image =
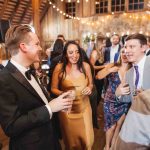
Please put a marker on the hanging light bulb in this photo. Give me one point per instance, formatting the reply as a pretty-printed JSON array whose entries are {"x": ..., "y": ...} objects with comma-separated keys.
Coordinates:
[
  {"x": 87, "y": 0},
  {"x": 62, "y": 0},
  {"x": 69, "y": 1},
  {"x": 78, "y": 1}
]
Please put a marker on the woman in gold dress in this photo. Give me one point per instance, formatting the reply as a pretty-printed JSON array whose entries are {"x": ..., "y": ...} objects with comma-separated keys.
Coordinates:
[{"x": 74, "y": 74}]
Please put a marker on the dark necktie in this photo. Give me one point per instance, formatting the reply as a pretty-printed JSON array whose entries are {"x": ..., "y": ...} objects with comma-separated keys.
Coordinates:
[
  {"x": 30, "y": 72},
  {"x": 148, "y": 53},
  {"x": 137, "y": 76},
  {"x": 116, "y": 57}
]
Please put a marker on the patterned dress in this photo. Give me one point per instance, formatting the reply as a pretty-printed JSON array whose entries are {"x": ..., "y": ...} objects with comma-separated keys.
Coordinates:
[{"x": 113, "y": 109}]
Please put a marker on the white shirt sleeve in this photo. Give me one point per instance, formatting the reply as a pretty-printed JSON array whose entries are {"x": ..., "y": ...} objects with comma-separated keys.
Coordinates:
[{"x": 49, "y": 110}]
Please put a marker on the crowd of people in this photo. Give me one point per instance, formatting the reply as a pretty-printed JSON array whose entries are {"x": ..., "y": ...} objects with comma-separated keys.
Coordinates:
[{"x": 35, "y": 115}]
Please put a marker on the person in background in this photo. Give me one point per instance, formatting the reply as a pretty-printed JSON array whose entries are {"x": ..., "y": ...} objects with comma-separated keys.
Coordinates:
[
  {"x": 25, "y": 109},
  {"x": 61, "y": 37},
  {"x": 48, "y": 53},
  {"x": 57, "y": 49},
  {"x": 73, "y": 73},
  {"x": 91, "y": 47},
  {"x": 97, "y": 60},
  {"x": 94, "y": 95},
  {"x": 112, "y": 53},
  {"x": 114, "y": 111},
  {"x": 1, "y": 57},
  {"x": 135, "y": 131},
  {"x": 4, "y": 55},
  {"x": 56, "y": 56}
]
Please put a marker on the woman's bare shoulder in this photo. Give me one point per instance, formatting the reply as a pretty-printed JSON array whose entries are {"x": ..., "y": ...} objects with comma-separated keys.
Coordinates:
[
  {"x": 58, "y": 66},
  {"x": 86, "y": 65}
]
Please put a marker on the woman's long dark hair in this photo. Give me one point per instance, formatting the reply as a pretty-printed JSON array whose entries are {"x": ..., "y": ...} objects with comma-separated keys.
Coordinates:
[
  {"x": 57, "y": 49},
  {"x": 65, "y": 59}
]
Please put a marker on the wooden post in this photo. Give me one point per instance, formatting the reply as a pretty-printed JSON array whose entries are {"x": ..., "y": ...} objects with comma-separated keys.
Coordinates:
[{"x": 36, "y": 17}]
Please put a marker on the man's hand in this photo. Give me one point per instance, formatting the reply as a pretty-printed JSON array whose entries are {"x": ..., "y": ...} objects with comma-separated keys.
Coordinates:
[
  {"x": 122, "y": 89},
  {"x": 63, "y": 102}
]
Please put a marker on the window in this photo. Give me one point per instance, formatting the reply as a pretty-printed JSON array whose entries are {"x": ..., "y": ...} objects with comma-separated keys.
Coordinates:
[
  {"x": 71, "y": 9},
  {"x": 136, "y": 5},
  {"x": 117, "y": 5},
  {"x": 101, "y": 6}
]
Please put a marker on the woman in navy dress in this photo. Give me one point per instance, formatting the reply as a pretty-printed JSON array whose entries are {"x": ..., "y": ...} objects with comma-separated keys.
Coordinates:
[{"x": 114, "y": 111}]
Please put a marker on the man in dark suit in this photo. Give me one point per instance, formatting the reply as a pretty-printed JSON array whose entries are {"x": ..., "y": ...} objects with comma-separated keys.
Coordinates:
[
  {"x": 112, "y": 53},
  {"x": 1, "y": 67},
  {"x": 25, "y": 110}
]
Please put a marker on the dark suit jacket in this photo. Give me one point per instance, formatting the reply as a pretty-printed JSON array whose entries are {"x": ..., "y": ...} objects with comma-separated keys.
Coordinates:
[
  {"x": 1, "y": 66},
  {"x": 107, "y": 53},
  {"x": 23, "y": 115}
]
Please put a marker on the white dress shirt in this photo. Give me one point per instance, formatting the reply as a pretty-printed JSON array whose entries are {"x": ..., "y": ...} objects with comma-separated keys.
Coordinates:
[
  {"x": 34, "y": 84},
  {"x": 141, "y": 71},
  {"x": 113, "y": 51}
]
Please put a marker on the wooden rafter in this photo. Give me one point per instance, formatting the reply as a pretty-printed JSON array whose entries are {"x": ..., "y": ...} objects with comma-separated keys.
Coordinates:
[
  {"x": 3, "y": 8},
  {"x": 24, "y": 13},
  {"x": 14, "y": 11},
  {"x": 44, "y": 11},
  {"x": 32, "y": 14}
]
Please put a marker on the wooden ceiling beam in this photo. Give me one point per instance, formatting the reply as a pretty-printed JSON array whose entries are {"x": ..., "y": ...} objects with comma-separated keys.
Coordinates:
[
  {"x": 24, "y": 13},
  {"x": 15, "y": 10},
  {"x": 3, "y": 8},
  {"x": 45, "y": 10}
]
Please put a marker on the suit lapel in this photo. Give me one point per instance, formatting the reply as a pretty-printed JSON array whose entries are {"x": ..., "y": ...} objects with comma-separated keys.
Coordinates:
[
  {"x": 20, "y": 78},
  {"x": 148, "y": 53},
  {"x": 130, "y": 79},
  {"x": 146, "y": 74}
]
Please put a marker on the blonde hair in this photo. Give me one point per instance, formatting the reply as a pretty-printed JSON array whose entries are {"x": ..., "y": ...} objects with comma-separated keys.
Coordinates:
[{"x": 15, "y": 35}]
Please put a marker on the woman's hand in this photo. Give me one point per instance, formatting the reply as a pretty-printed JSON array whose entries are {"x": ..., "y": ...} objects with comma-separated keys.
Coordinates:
[{"x": 87, "y": 91}]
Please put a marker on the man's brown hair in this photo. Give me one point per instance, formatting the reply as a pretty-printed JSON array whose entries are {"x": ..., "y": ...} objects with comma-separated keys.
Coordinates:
[
  {"x": 137, "y": 36},
  {"x": 15, "y": 35}
]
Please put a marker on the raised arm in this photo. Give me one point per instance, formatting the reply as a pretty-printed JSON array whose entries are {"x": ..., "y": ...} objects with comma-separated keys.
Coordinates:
[{"x": 106, "y": 71}]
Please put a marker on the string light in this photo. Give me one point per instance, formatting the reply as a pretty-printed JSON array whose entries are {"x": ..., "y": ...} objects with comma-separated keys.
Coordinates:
[
  {"x": 62, "y": 12},
  {"x": 125, "y": 16},
  {"x": 78, "y": 1}
]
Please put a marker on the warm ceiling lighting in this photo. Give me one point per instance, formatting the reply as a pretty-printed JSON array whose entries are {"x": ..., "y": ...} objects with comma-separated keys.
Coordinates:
[
  {"x": 69, "y": 1},
  {"x": 78, "y": 1},
  {"x": 87, "y": 0}
]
